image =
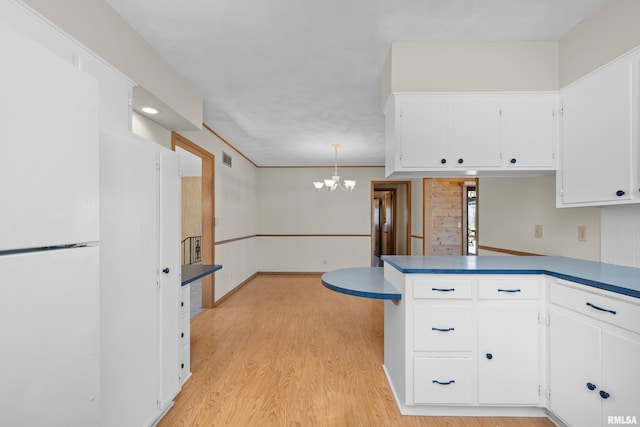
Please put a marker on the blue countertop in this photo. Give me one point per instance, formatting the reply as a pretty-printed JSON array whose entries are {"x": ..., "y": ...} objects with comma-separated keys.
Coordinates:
[
  {"x": 614, "y": 278},
  {"x": 366, "y": 282},
  {"x": 191, "y": 273}
]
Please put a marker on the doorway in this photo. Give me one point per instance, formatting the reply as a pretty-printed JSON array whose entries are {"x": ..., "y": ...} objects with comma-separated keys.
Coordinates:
[
  {"x": 390, "y": 219},
  {"x": 207, "y": 212},
  {"x": 450, "y": 216}
]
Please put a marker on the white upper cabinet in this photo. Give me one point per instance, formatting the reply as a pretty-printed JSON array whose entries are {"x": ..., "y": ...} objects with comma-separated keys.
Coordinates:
[
  {"x": 599, "y": 138},
  {"x": 423, "y": 132},
  {"x": 531, "y": 131},
  {"x": 461, "y": 134},
  {"x": 475, "y": 133}
]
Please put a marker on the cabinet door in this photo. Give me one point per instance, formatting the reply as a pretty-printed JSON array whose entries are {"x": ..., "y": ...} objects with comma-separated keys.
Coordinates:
[
  {"x": 574, "y": 370},
  {"x": 620, "y": 377},
  {"x": 475, "y": 133},
  {"x": 530, "y": 131},
  {"x": 169, "y": 265},
  {"x": 508, "y": 353},
  {"x": 597, "y": 137},
  {"x": 423, "y": 132}
]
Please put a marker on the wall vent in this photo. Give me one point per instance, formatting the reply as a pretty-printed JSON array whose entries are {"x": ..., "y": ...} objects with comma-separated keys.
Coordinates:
[{"x": 226, "y": 159}]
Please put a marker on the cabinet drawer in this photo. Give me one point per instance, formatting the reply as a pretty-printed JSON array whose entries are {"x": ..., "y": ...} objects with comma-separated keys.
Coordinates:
[
  {"x": 442, "y": 380},
  {"x": 514, "y": 288},
  {"x": 611, "y": 310},
  {"x": 185, "y": 328},
  {"x": 442, "y": 288},
  {"x": 185, "y": 363},
  {"x": 442, "y": 328},
  {"x": 185, "y": 299}
]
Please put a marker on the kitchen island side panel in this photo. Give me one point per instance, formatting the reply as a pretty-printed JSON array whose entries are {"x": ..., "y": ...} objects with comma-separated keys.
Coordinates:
[{"x": 395, "y": 338}]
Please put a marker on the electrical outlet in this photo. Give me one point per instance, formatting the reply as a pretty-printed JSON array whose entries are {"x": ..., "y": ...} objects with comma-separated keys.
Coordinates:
[
  {"x": 582, "y": 233},
  {"x": 538, "y": 231}
]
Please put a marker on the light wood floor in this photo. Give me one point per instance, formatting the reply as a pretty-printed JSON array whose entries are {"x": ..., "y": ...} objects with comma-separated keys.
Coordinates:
[{"x": 285, "y": 351}]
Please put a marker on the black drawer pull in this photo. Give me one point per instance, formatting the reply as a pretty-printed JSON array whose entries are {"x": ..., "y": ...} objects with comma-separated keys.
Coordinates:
[
  {"x": 443, "y": 383},
  {"x": 443, "y": 289},
  {"x": 443, "y": 330},
  {"x": 600, "y": 308},
  {"x": 509, "y": 290}
]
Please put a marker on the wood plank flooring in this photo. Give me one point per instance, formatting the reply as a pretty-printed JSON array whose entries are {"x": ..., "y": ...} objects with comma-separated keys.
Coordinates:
[{"x": 285, "y": 351}]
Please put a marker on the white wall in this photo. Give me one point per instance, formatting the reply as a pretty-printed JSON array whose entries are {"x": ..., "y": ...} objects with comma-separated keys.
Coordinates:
[
  {"x": 510, "y": 208},
  {"x": 470, "y": 66},
  {"x": 600, "y": 38},
  {"x": 236, "y": 211},
  {"x": 96, "y": 25},
  {"x": 620, "y": 235},
  {"x": 292, "y": 209},
  {"x": 417, "y": 216}
]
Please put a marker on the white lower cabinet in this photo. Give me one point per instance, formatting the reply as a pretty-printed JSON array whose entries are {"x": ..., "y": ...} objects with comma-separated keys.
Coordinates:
[
  {"x": 508, "y": 354},
  {"x": 185, "y": 334},
  {"x": 594, "y": 372},
  {"x": 476, "y": 341}
]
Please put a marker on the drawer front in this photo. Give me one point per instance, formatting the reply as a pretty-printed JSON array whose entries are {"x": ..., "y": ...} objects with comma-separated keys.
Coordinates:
[
  {"x": 510, "y": 288},
  {"x": 445, "y": 288},
  {"x": 608, "y": 309},
  {"x": 442, "y": 328},
  {"x": 442, "y": 380}
]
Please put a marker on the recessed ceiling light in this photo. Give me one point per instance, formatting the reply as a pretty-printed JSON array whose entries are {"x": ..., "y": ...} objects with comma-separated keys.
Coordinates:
[{"x": 149, "y": 110}]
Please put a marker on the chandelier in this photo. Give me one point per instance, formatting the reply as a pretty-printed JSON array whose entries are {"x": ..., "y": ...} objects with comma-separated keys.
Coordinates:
[{"x": 334, "y": 182}]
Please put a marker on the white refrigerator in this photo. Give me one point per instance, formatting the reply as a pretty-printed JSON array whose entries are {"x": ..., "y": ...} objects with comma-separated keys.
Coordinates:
[{"x": 49, "y": 234}]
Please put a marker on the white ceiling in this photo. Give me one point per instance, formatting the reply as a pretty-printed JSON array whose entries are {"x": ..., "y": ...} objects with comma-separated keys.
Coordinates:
[{"x": 282, "y": 80}]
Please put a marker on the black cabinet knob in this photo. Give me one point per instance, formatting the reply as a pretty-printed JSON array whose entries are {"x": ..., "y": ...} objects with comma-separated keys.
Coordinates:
[
  {"x": 166, "y": 270},
  {"x": 591, "y": 386},
  {"x": 460, "y": 161},
  {"x": 513, "y": 161},
  {"x": 443, "y": 161},
  {"x": 604, "y": 394},
  {"x": 620, "y": 193},
  {"x": 489, "y": 356}
]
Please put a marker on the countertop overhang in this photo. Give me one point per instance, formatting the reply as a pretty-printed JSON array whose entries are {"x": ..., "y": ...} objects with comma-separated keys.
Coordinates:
[{"x": 366, "y": 282}]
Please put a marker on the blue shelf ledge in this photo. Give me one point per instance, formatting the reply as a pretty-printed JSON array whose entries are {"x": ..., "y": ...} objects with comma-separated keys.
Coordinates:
[
  {"x": 191, "y": 273},
  {"x": 365, "y": 282}
]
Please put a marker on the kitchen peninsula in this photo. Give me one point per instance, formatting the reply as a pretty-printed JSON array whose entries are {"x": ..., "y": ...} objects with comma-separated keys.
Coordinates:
[{"x": 510, "y": 336}]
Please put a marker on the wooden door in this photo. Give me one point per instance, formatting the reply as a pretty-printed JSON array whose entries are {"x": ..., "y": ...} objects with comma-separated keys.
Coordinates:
[{"x": 388, "y": 235}]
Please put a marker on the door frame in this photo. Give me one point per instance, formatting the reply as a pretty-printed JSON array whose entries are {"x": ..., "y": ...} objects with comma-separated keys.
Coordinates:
[
  {"x": 390, "y": 186},
  {"x": 208, "y": 205}
]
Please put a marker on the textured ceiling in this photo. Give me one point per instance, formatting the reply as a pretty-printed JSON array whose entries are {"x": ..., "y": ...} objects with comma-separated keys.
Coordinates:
[{"x": 282, "y": 80}]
